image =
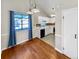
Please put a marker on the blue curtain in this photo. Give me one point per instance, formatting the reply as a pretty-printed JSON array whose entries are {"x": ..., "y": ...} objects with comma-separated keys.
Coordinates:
[
  {"x": 12, "y": 34},
  {"x": 30, "y": 25}
]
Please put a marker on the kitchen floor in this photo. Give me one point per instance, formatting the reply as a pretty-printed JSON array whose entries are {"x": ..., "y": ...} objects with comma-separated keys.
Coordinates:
[{"x": 50, "y": 39}]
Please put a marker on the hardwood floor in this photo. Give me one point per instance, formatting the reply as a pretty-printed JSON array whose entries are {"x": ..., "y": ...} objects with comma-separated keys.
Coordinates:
[{"x": 33, "y": 49}]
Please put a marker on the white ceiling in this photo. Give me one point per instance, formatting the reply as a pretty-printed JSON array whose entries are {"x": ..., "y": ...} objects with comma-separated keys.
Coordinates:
[
  {"x": 64, "y": 3},
  {"x": 47, "y": 5},
  {"x": 68, "y": 3}
]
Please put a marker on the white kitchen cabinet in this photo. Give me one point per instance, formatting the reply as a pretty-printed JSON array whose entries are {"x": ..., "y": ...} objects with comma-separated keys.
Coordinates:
[
  {"x": 51, "y": 28},
  {"x": 36, "y": 32},
  {"x": 47, "y": 30},
  {"x": 51, "y": 20},
  {"x": 42, "y": 18}
]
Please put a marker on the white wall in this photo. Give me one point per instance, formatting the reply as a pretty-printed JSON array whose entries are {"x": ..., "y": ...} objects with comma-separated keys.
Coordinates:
[
  {"x": 58, "y": 39},
  {"x": 20, "y": 6},
  {"x": 8, "y": 5}
]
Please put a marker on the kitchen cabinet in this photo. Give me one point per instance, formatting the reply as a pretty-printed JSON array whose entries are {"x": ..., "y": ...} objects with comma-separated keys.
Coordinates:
[
  {"x": 36, "y": 32},
  {"x": 51, "y": 28},
  {"x": 47, "y": 30}
]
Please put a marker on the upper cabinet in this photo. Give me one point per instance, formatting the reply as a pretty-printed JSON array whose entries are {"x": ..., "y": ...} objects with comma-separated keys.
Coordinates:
[{"x": 46, "y": 19}]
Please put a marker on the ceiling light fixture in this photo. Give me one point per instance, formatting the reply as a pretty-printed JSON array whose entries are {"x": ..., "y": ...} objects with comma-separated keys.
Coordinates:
[
  {"x": 32, "y": 9},
  {"x": 29, "y": 12},
  {"x": 53, "y": 13},
  {"x": 35, "y": 10}
]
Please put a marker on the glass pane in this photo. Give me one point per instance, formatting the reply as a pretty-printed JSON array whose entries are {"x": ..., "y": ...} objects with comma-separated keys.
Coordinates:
[
  {"x": 25, "y": 26},
  {"x": 17, "y": 21},
  {"x": 25, "y": 21},
  {"x": 18, "y": 27},
  {"x": 18, "y": 16},
  {"x": 25, "y": 16}
]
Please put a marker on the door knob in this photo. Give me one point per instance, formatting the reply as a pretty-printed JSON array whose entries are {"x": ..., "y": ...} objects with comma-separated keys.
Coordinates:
[{"x": 75, "y": 36}]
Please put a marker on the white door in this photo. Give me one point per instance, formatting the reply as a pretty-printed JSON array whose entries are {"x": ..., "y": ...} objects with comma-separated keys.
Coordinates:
[{"x": 70, "y": 32}]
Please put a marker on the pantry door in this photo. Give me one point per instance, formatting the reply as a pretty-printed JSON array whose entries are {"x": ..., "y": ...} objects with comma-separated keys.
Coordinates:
[{"x": 70, "y": 32}]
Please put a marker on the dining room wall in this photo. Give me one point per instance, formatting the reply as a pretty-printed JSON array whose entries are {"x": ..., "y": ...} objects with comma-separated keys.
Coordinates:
[{"x": 14, "y": 5}]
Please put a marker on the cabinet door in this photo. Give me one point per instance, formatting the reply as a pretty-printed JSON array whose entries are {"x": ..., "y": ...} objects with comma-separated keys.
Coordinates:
[
  {"x": 47, "y": 29},
  {"x": 36, "y": 33},
  {"x": 51, "y": 29}
]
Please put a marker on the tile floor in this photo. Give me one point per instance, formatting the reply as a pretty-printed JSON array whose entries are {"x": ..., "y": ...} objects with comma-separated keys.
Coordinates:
[{"x": 50, "y": 39}]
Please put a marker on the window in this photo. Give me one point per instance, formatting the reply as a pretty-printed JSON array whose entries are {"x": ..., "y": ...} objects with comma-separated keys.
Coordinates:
[{"x": 21, "y": 21}]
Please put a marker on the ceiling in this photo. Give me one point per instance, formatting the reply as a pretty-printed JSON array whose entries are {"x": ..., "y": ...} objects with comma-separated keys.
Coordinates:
[
  {"x": 47, "y": 5},
  {"x": 68, "y": 3}
]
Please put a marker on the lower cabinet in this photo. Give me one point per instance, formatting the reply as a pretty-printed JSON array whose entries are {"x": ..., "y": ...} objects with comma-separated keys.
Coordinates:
[
  {"x": 36, "y": 33},
  {"x": 47, "y": 30},
  {"x": 51, "y": 29}
]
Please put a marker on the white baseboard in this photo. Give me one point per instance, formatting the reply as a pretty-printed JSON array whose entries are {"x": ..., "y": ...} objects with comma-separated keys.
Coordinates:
[
  {"x": 58, "y": 50},
  {"x": 15, "y": 45},
  {"x": 62, "y": 52},
  {"x": 21, "y": 42},
  {"x": 3, "y": 49},
  {"x": 58, "y": 35}
]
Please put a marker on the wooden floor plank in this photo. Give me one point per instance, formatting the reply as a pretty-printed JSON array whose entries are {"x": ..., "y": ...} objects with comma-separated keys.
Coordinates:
[{"x": 33, "y": 49}]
